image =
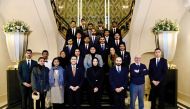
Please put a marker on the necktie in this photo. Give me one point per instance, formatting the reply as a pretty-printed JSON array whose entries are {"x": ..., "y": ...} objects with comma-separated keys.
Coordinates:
[
  {"x": 74, "y": 70},
  {"x": 157, "y": 62},
  {"x": 78, "y": 42},
  {"x": 28, "y": 64}
]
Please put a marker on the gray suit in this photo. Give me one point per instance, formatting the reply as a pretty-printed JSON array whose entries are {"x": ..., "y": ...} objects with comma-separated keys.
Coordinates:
[{"x": 88, "y": 61}]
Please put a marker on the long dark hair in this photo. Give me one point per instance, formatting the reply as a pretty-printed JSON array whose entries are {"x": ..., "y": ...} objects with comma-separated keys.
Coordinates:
[{"x": 54, "y": 60}]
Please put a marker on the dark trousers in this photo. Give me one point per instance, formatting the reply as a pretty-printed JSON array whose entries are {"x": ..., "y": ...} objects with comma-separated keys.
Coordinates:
[
  {"x": 40, "y": 104},
  {"x": 119, "y": 100},
  {"x": 27, "y": 102},
  {"x": 74, "y": 98},
  {"x": 57, "y": 106},
  {"x": 108, "y": 88},
  {"x": 157, "y": 92},
  {"x": 95, "y": 99}
]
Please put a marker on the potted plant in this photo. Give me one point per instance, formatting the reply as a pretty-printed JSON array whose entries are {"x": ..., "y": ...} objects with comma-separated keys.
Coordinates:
[
  {"x": 166, "y": 32},
  {"x": 16, "y": 33}
]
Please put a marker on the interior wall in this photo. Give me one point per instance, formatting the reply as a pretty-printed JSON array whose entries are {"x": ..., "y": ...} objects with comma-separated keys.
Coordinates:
[
  {"x": 4, "y": 62},
  {"x": 146, "y": 13},
  {"x": 182, "y": 59}
]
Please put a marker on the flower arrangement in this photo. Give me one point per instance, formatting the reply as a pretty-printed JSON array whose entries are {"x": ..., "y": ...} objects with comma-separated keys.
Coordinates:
[
  {"x": 165, "y": 25},
  {"x": 16, "y": 26}
]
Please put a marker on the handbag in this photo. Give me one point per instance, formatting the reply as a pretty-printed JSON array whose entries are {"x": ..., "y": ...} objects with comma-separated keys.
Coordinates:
[{"x": 48, "y": 99}]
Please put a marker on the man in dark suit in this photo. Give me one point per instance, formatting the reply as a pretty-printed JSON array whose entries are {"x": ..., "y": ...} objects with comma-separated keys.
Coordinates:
[
  {"x": 80, "y": 59},
  {"x": 24, "y": 75},
  {"x": 83, "y": 26},
  {"x": 94, "y": 39},
  {"x": 109, "y": 40},
  {"x": 114, "y": 29},
  {"x": 157, "y": 73},
  {"x": 118, "y": 78},
  {"x": 117, "y": 41},
  {"x": 88, "y": 32},
  {"x": 125, "y": 55},
  {"x": 74, "y": 81},
  {"x": 71, "y": 32},
  {"x": 103, "y": 49},
  {"x": 69, "y": 49},
  {"x": 85, "y": 49},
  {"x": 100, "y": 28},
  {"x": 79, "y": 40}
]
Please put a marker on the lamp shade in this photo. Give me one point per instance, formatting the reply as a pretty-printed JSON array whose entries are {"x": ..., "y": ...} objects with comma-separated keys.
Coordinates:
[
  {"x": 16, "y": 45},
  {"x": 167, "y": 43}
]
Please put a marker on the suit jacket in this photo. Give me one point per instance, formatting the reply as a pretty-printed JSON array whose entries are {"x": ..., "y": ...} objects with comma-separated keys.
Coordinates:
[
  {"x": 80, "y": 62},
  {"x": 88, "y": 61},
  {"x": 76, "y": 80},
  {"x": 110, "y": 41},
  {"x": 126, "y": 59},
  {"x": 118, "y": 79},
  {"x": 40, "y": 78},
  {"x": 96, "y": 41},
  {"x": 80, "y": 45},
  {"x": 69, "y": 53},
  {"x": 103, "y": 52},
  {"x": 70, "y": 35},
  {"x": 85, "y": 51},
  {"x": 117, "y": 46},
  {"x": 24, "y": 73},
  {"x": 99, "y": 31},
  {"x": 95, "y": 77},
  {"x": 117, "y": 31},
  {"x": 158, "y": 72}
]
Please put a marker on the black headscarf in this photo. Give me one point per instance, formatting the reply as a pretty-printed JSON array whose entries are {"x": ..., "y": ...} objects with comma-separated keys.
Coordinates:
[{"x": 95, "y": 68}]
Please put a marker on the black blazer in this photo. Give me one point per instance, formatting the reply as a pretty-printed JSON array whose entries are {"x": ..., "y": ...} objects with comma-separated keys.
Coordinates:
[
  {"x": 80, "y": 45},
  {"x": 118, "y": 79},
  {"x": 117, "y": 31},
  {"x": 110, "y": 41},
  {"x": 80, "y": 62},
  {"x": 104, "y": 53},
  {"x": 95, "y": 78},
  {"x": 24, "y": 73},
  {"x": 95, "y": 42},
  {"x": 117, "y": 46},
  {"x": 71, "y": 53},
  {"x": 76, "y": 80},
  {"x": 126, "y": 59},
  {"x": 85, "y": 51},
  {"x": 70, "y": 35},
  {"x": 158, "y": 72}
]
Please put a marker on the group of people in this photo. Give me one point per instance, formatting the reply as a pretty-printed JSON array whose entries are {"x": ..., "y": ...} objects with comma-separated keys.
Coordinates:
[{"x": 94, "y": 60}]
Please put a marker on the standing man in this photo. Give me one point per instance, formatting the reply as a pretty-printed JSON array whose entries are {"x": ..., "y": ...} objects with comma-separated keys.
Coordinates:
[
  {"x": 48, "y": 62},
  {"x": 157, "y": 72},
  {"x": 74, "y": 81},
  {"x": 118, "y": 78},
  {"x": 125, "y": 55},
  {"x": 24, "y": 75},
  {"x": 137, "y": 80}
]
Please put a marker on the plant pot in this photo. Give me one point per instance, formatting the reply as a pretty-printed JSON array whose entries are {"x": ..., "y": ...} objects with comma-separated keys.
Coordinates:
[
  {"x": 167, "y": 43},
  {"x": 16, "y": 45}
]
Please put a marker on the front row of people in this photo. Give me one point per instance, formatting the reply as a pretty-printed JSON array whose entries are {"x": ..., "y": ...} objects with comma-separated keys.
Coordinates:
[{"x": 59, "y": 80}]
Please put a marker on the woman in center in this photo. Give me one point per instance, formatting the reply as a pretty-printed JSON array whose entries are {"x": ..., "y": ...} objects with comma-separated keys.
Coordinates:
[{"x": 95, "y": 77}]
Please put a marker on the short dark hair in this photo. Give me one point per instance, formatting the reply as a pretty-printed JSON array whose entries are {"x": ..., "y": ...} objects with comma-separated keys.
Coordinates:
[
  {"x": 122, "y": 44},
  {"x": 157, "y": 49},
  {"x": 73, "y": 21},
  {"x": 100, "y": 22},
  {"x": 29, "y": 50},
  {"x": 40, "y": 58},
  {"x": 45, "y": 51},
  {"x": 114, "y": 22},
  {"x": 90, "y": 24},
  {"x": 106, "y": 30},
  {"x": 61, "y": 52}
]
